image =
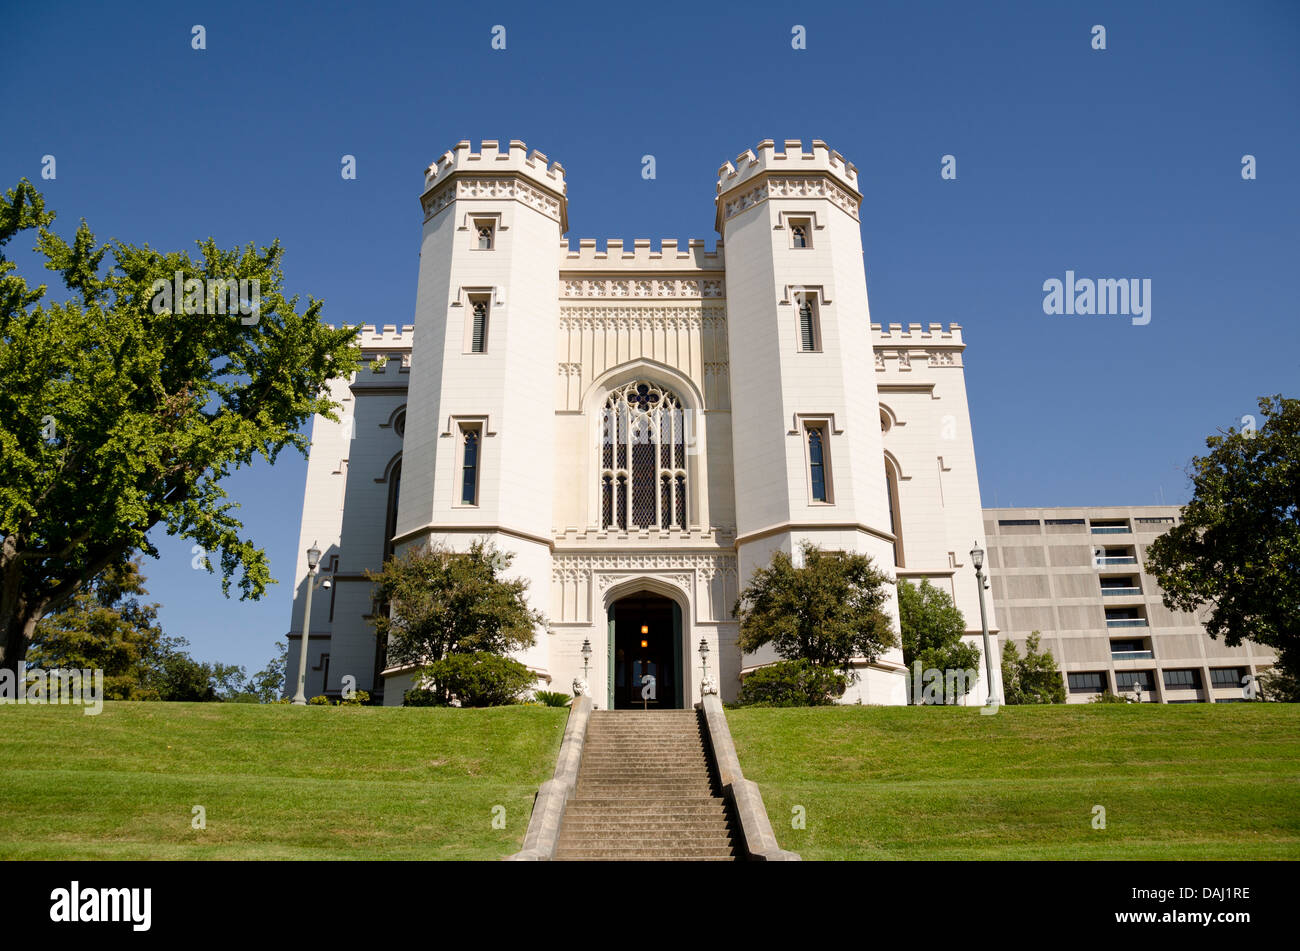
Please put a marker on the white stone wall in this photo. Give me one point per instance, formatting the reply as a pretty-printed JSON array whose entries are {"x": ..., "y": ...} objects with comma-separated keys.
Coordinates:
[{"x": 718, "y": 329}]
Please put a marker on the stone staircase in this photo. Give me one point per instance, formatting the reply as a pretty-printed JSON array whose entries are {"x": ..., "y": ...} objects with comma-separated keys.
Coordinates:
[{"x": 647, "y": 791}]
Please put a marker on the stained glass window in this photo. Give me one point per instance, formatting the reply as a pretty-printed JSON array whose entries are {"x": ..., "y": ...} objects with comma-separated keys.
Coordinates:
[{"x": 643, "y": 479}]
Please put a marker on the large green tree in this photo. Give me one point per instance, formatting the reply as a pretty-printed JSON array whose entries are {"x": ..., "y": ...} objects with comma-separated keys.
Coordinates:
[
  {"x": 932, "y": 627},
  {"x": 121, "y": 410},
  {"x": 442, "y": 602},
  {"x": 1033, "y": 678},
  {"x": 831, "y": 610},
  {"x": 1236, "y": 549},
  {"x": 106, "y": 626}
]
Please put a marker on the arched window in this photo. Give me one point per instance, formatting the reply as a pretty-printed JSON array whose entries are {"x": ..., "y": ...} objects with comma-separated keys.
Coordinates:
[
  {"x": 390, "y": 520},
  {"x": 643, "y": 480},
  {"x": 895, "y": 513}
]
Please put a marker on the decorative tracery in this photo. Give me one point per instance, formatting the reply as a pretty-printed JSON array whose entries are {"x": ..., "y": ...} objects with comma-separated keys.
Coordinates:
[{"x": 643, "y": 480}]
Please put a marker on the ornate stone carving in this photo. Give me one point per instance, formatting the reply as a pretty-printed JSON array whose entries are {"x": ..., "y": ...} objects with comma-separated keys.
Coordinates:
[
  {"x": 811, "y": 186},
  {"x": 498, "y": 188},
  {"x": 580, "y": 688},
  {"x": 623, "y": 317},
  {"x": 647, "y": 286},
  {"x": 623, "y": 561},
  {"x": 940, "y": 358}
]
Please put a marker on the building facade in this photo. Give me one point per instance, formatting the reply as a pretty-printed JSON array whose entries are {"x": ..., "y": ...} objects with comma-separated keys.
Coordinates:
[
  {"x": 1078, "y": 577},
  {"x": 640, "y": 428}
]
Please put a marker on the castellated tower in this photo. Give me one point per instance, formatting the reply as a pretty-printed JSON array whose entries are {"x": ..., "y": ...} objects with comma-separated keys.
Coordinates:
[
  {"x": 479, "y": 443},
  {"x": 641, "y": 427},
  {"x": 806, "y": 429}
]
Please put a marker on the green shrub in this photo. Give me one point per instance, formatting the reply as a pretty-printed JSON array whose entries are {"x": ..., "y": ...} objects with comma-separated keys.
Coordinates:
[
  {"x": 422, "y": 697},
  {"x": 792, "y": 683},
  {"x": 480, "y": 679},
  {"x": 1108, "y": 697},
  {"x": 359, "y": 698},
  {"x": 552, "y": 698},
  {"x": 320, "y": 700}
]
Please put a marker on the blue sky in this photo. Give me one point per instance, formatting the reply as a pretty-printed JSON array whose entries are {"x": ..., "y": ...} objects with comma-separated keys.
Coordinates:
[{"x": 1122, "y": 163}]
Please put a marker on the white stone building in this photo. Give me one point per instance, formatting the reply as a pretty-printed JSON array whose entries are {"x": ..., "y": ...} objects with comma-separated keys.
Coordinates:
[{"x": 641, "y": 428}]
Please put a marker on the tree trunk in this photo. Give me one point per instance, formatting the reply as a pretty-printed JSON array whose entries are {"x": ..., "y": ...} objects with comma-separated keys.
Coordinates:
[{"x": 15, "y": 638}]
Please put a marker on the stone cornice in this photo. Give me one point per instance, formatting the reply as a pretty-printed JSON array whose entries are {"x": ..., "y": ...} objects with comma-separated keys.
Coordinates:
[
  {"x": 502, "y": 187},
  {"x": 781, "y": 185}
]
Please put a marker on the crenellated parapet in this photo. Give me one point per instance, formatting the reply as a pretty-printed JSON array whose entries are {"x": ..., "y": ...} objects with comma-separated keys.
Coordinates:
[
  {"x": 382, "y": 337},
  {"x": 935, "y": 333},
  {"x": 764, "y": 173},
  {"x": 493, "y": 173},
  {"x": 670, "y": 256},
  {"x": 932, "y": 347}
]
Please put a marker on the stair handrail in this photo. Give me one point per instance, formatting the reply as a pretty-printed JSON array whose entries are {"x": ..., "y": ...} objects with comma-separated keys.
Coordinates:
[
  {"x": 744, "y": 795},
  {"x": 553, "y": 795}
]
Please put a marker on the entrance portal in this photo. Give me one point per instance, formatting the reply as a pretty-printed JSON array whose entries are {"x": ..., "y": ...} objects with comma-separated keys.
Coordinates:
[{"x": 645, "y": 642}]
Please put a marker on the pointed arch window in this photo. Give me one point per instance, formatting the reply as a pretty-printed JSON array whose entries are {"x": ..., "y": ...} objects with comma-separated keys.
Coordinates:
[
  {"x": 643, "y": 477},
  {"x": 895, "y": 513}
]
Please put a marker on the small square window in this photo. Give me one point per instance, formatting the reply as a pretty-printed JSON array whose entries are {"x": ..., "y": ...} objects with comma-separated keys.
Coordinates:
[{"x": 485, "y": 233}]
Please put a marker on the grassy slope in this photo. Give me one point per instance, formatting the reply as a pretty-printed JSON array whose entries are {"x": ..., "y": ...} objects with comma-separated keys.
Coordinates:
[
  {"x": 1177, "y": 782},
  {"x": 277, "y": 782}
]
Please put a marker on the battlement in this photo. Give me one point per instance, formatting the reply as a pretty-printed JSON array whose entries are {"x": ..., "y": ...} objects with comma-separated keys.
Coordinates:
[
  {"x": 491, "y": 160},
  {"x": 915, "y": 332},
  {"x": 387, "y": 337},
  {"x": 794, "y": 160},
  {"x": 670, "y": 257}
]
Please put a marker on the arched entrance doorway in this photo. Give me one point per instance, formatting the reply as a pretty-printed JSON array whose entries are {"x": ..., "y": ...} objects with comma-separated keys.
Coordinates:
[{"x": 645, "y": 649}]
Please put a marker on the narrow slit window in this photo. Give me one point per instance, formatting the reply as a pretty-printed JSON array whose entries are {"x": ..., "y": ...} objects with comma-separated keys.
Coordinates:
[
  {"x": 478, "y": 334},
  {"x": 817, "y": 463},
  {"x": 807, "y": 325},
  {"x": 469, "y": 467}
]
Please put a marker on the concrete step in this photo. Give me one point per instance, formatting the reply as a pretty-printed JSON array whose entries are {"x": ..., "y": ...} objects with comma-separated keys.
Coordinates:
[
  {"x": 637, "y": 772},
  {"x": 641, "y": 792},
  {"x": 619, "y": 822},
  {"x": 659, "y": 756},
  {"x": 636, "y": 853},
  {"x": 716, "y": 845},
  {"x": 701, "y": 807},
  {"x": 645, "y": 858},
  {"x": 649, "y": 783},
  {"x": 644, "y": 739}
]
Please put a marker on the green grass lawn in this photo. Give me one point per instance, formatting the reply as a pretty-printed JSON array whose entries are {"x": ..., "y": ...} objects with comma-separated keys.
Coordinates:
[
  {"x": 1177, "y": 782},
  {"x": 277, "y": 782}
]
